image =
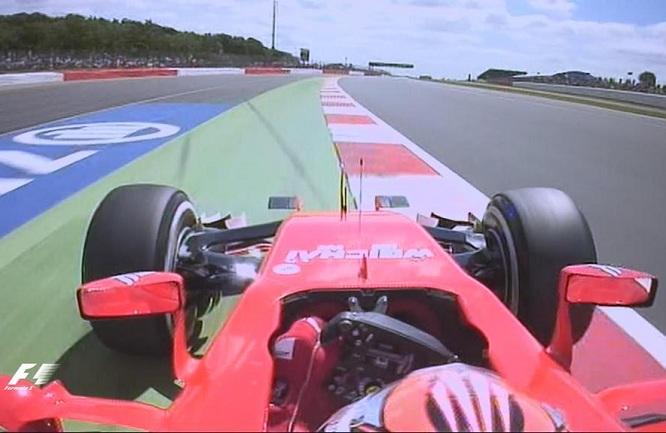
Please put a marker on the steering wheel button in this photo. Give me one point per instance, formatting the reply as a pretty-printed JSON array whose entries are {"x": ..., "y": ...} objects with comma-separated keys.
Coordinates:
[
  {"x": 381, "y": 362},
  {"x": 345, "y": 326}
]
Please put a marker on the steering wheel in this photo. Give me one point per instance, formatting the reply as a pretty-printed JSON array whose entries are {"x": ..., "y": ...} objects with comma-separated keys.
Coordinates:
[{"x": 378, "y": 350}]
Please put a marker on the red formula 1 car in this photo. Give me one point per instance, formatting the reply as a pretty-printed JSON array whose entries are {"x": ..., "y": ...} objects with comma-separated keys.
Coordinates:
[{"x": 337, "y": 306}]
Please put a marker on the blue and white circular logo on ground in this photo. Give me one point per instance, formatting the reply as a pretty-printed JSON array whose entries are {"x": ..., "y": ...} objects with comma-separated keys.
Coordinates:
[{"x": 88, "y": 134}]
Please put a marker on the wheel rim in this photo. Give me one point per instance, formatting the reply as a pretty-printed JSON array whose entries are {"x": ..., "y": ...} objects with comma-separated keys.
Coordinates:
[
  {"x": 501, "y": 236},
  {"x": 175, "y": 239}
]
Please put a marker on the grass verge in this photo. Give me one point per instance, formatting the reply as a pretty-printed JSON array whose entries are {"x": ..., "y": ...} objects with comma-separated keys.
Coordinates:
[{"x": 610, "y": 105}]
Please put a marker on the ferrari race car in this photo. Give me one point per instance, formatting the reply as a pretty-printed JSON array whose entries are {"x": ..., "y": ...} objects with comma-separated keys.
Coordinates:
[{"x": 335, "y": 307}]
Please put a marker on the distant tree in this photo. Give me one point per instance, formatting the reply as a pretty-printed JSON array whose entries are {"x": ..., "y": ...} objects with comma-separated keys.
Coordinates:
[
  {"x": 74, "y": 33},
  {"x": 647, "y": 79}
]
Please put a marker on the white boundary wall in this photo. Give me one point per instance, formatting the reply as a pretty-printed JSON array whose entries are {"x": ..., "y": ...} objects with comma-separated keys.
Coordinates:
[
  {"x": 209, "y": 71},
  {"x": 30, "y": 78}
]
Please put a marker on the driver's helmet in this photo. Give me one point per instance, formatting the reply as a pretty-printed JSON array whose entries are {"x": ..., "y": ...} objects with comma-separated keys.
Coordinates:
[{"x": 449, "y": 398}]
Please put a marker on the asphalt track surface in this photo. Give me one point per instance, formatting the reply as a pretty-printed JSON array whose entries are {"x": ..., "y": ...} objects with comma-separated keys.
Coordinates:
[
  {"x": 611, "y": 163},
  {"x": 26, "y": 106}
]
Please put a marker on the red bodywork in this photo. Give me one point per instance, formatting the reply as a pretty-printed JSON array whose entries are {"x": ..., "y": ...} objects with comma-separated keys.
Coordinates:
[{"x": 229, "y": 389}]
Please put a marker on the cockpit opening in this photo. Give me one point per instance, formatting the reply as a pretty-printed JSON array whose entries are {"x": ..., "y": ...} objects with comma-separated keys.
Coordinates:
[{"x": 336, "y": 347}]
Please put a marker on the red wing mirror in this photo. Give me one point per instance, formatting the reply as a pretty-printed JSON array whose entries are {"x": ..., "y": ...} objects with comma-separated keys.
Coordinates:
[
  {"x": 609, "y": 286},
  {"x": 131, "y": 295}
]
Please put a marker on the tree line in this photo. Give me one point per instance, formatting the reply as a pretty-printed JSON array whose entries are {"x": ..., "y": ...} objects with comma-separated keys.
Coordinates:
[{"x": 39, "y": 33}]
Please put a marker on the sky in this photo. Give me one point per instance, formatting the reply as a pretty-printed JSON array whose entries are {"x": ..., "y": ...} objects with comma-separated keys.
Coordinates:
[{"x": 442, "y": 38}]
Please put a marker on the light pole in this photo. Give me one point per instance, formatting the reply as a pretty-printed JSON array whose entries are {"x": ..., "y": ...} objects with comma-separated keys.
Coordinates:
[{"x": 274, "y": 18}]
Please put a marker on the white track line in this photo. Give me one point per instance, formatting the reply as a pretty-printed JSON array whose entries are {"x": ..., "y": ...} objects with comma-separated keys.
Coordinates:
[
  {"x": 339, "y": 110},
  {"x": 419, "y": 190},
  {"x": 449, "y": 188},
  {"x": 364, "y": 134}
]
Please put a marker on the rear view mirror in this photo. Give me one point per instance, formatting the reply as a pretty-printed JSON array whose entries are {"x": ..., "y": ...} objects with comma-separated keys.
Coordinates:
[
  {"x": 608, "y": 286},
  {"x": 131, "y": 295},
  {"x": 390, "y": 201},
  {"x": 285, "y": 203}
]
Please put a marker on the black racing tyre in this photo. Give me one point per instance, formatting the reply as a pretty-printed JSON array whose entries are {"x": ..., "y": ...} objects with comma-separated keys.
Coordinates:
[
  {"x": 534, "y": 233},
  {"x": 136, "y": 228}
]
